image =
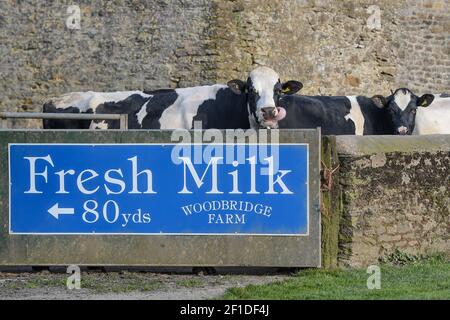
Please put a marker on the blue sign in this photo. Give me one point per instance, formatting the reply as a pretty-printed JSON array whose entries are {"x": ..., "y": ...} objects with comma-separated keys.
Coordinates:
[{"x": 156, "y": 189}]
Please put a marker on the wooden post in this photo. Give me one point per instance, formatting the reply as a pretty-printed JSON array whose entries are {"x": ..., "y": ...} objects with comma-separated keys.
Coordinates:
[{"x": 123, "y": 122}]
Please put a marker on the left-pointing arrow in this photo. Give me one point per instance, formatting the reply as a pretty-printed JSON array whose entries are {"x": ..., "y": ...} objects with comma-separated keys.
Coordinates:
[{"x": 55, "y": 211}]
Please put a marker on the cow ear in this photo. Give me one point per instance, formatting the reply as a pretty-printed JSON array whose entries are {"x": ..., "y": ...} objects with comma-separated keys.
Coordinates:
[
  {"x": 425, "y": 100},
  {"x": 291, "y": 87},
  {"x": 237, "y": 86},
  {"x": 379, "y": 101}
]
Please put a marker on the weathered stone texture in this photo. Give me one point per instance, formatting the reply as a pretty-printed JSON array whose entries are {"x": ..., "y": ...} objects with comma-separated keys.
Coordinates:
[
  {"x": 326, "y": 44},
  {"x": 122, "y": 44},
  {"x": 135, "y": 44},
  {"x": 425, "y": 45},
  {"x": 394, "y": 200}
]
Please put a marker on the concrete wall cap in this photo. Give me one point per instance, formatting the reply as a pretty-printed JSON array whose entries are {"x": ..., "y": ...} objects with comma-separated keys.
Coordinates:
[{"x": 363, "y": 145}]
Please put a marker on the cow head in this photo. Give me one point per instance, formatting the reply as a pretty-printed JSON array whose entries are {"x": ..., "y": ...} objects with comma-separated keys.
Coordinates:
[
  {"x": 402, "y": 107},
  {"x": 264, "y": 90}
]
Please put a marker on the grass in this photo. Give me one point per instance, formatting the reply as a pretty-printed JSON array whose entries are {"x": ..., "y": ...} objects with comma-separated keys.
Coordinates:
[
  {"x": 124, "y": 282},
  {"x": 40, "y": 282},
  {"x": 190, "y": 283},
  {"x": 424, "y": 279}
]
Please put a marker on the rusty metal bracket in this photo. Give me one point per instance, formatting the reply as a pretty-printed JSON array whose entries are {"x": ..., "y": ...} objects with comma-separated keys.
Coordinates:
[{"x": 326, "y": 177}]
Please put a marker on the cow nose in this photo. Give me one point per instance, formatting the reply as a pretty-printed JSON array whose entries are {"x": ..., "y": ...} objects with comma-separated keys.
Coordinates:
[
  {"x": 402, "y": 130},
  {"x": 269, "y": 112}
]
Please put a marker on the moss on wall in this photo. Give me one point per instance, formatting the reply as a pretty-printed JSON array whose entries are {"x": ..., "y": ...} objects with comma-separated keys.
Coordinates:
[
  {"x": 393, "y": 200},
  {"x": 330, "y": 211}
]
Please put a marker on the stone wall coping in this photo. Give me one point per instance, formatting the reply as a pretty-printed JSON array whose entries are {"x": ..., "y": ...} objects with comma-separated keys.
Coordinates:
[{"x": 363, "y": 145}]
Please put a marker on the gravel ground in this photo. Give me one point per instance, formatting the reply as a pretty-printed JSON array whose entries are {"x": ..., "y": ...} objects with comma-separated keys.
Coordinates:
[{"x": 125, "y": 285}]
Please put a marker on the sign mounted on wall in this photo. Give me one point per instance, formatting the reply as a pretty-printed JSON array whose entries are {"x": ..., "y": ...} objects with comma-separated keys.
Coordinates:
[
  {"x": 158, "y": 189},
  {"x": 135, "y": 198}
]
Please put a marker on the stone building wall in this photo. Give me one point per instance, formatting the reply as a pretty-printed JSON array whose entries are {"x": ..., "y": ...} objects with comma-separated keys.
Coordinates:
[
  {"x": 121, "y": 45},
  {"x": 136, "y": 44},
  {"x": 424, "y": 53},
  {"x": 325, "y": 44},
  {"x": 331, "y": 48}
]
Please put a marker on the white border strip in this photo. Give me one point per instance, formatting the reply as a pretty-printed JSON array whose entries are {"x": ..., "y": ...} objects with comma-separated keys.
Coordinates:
[{"x": 163, "y": 234}]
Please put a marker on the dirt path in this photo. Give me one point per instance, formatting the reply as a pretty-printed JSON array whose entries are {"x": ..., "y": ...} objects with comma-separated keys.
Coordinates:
[{"x": 125, "y": 285}]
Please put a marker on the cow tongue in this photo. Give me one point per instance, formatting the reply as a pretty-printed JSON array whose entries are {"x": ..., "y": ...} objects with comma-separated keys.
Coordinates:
[{"x": 281, "y": 114}]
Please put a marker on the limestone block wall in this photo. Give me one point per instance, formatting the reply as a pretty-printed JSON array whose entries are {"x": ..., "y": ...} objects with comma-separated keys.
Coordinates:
[
  {"x": 424, "y": 52},
  {"x": 135, "y": 44},
  {"x": 394, "y": 195},
  {"x": 121, "y": 45}
]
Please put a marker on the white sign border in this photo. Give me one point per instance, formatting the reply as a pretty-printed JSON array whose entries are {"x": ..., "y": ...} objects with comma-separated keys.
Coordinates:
[{"x": 307, "y": 234}]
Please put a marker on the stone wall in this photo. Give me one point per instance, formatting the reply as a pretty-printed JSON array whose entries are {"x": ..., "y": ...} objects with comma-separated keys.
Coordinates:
[
  {"x": 424, "y": 53},
  {"x": 136, "y": 44},
  {"x": 325, "y": 44},
  {"x": 331, "y": 48},
  {"x": 121, "y": 45},
  {"x": 394, "y": 194}
]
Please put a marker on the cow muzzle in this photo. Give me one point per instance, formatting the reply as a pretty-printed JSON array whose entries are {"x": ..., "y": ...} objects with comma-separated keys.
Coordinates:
[
  {"x": 269, "y": 117},
  {"x": 402, "y": 130},
  {"x": 273, "y": 113}
]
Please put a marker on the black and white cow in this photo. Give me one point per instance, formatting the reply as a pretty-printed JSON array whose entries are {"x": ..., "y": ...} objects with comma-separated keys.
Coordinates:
[
  {"x": 355, "y": 115},
  {"x": 81, "y": 102},
  {"x": 250, "y": 104},
  {"x": 436, "y": 118}
]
